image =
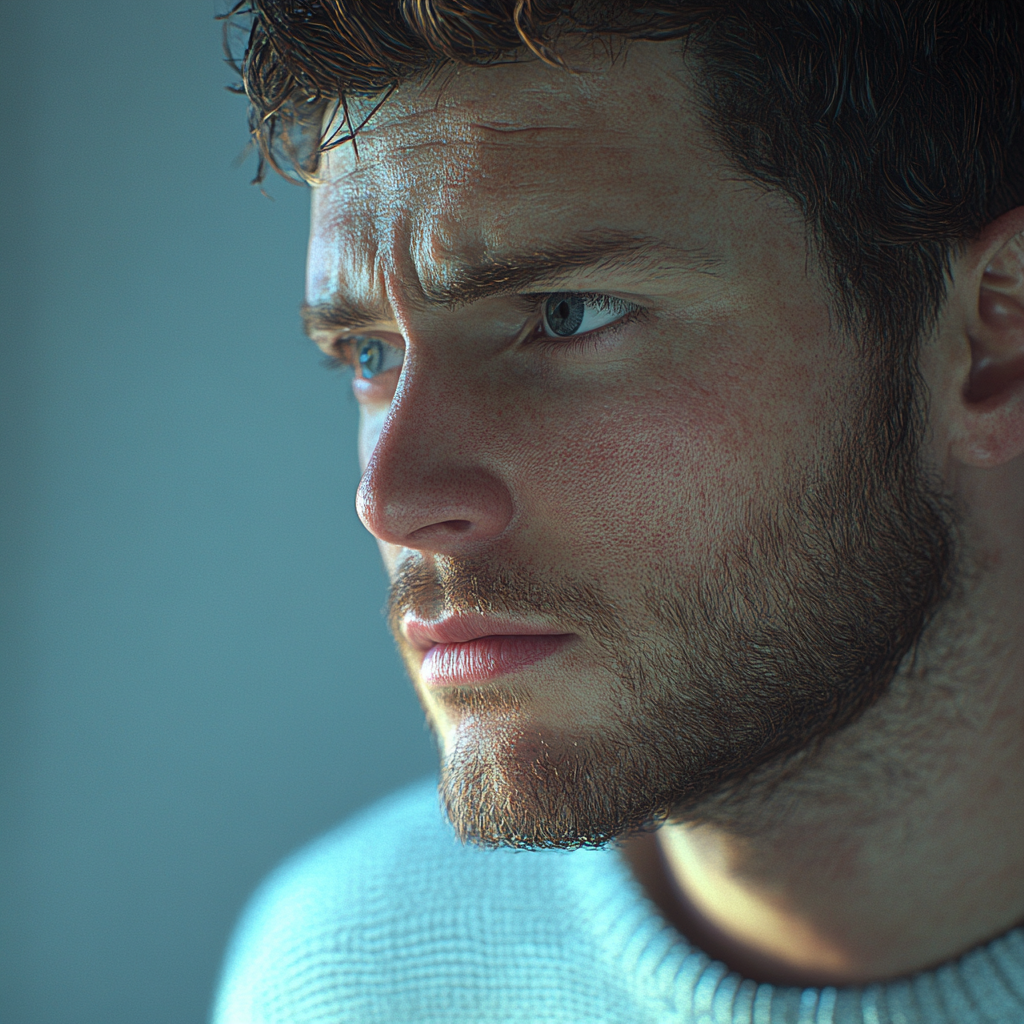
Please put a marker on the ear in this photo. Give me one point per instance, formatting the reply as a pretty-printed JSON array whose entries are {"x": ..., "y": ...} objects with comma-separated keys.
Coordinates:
[{"x": 987, "y": 309}]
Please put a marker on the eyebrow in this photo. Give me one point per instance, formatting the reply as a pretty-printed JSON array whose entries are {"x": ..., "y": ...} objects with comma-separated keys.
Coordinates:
[{"x": 516, "y": 273}]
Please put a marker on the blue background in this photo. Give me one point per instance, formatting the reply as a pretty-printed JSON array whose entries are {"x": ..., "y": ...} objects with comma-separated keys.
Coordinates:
[{"x": 195, "y": 674}]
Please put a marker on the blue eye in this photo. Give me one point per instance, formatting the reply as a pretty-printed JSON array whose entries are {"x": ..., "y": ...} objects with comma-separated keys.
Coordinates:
[
  {"x": 563, "y": 313},
  {"x": 570, "y": 313},
  {"x": 373, "y": 356}
]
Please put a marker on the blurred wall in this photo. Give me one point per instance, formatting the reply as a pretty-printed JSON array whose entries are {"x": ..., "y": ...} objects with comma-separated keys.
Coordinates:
[{"x": 195, "y": 674}]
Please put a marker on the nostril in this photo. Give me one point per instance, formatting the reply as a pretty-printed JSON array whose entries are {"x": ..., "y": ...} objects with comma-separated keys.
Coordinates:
[{"x": 446, "y": 525}]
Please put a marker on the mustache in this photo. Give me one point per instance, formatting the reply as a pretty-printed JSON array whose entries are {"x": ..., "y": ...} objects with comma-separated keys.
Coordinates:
[{"x": 447, "y": 586}]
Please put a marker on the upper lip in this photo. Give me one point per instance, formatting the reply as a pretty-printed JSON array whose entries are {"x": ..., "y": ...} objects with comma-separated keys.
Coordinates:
[{"x": 459, "y": 629}]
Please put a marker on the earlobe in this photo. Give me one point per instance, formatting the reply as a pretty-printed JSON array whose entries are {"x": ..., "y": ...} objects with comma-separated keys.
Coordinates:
[{"x": 991, "y": 402}]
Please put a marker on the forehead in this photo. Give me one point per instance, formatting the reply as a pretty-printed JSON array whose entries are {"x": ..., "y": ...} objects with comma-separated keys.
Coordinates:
[{"x": 484, "y": 160}]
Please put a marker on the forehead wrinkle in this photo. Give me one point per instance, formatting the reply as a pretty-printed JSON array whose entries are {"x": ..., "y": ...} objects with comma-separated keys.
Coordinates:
[
  {"x": 370, "y": 268},
  {"x": 395, "y": 131},
  {"x": 474, "y": 134},
  {"x": 452, "y": 101},
  {"x": 452, "y": 108}
]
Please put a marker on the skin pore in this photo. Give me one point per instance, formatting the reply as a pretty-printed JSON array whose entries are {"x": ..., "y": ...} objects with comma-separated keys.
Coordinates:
[{"x": 607, "y": 486}]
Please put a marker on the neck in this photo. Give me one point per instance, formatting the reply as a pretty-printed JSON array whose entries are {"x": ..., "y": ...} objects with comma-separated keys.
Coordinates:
[{"x": 894, "y": 846}]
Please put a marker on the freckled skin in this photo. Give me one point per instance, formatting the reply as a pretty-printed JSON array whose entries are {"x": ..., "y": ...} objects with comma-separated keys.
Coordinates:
[{"x": 650, "y": 451}]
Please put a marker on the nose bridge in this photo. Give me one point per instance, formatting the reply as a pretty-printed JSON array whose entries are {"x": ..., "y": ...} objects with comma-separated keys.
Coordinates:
[{"x": 429, "y": 483}]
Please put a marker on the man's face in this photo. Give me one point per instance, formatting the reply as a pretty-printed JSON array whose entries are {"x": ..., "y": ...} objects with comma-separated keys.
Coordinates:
[{"x": 619, "y": 460}]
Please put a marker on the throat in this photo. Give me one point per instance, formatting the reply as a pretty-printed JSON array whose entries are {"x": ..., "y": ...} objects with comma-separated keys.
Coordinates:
[{"x": 749, "y": 938}]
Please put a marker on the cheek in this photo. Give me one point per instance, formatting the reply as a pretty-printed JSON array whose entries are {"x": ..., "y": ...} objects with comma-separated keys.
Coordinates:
[
  {"x": 639, "y": 480},
  {"x": 671, "y": 472}
]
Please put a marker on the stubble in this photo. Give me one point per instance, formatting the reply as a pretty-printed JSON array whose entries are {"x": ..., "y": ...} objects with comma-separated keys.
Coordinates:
[{"x": 724, "y": 688}]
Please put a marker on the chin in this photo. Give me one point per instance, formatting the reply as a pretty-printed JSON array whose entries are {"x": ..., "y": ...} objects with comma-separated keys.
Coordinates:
[{"x": 531, "y": 786}]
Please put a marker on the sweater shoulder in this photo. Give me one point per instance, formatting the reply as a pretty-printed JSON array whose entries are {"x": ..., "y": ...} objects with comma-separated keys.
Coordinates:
[
  {"x": 389, "y": 917},
  {"x": 307, "y": 934}
]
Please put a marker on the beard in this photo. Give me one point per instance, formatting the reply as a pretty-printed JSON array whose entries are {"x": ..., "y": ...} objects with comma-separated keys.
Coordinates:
[{"x": 797, "y": 626}]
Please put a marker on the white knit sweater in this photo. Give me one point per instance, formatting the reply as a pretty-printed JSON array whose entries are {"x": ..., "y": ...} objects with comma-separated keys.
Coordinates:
[{"x": 389, "y": 920}]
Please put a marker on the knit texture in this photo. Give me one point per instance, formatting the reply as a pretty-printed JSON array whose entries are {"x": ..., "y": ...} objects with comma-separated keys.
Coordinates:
[{"x": 390, "y": 920}]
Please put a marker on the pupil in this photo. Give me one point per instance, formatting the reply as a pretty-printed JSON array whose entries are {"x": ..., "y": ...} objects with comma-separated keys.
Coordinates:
[
  {"x": 565, "y": 313},
  {"x": 371, "y": 355}
]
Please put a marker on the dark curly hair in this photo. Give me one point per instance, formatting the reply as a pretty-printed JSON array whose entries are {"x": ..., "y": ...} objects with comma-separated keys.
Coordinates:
[{"x": 894, "y": 125}]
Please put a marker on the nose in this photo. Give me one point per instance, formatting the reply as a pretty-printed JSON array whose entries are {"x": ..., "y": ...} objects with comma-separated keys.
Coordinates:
[{"x": 426, "y": 486}]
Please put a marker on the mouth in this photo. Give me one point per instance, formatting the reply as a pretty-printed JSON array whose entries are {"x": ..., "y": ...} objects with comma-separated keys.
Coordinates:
[{"x": 465, "y": 650}]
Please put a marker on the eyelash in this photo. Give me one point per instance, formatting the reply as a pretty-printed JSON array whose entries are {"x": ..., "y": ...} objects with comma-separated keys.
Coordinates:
[
  {"x": 342, "y": 357},
  {"x": 329, "y": 361}
]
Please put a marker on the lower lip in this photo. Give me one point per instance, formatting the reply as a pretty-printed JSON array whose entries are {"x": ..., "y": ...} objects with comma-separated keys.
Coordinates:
[{"x": 487, "y": 657}]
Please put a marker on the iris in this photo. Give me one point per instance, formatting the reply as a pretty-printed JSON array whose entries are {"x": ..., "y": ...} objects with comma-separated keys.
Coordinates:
[
  {"x": 370, "y": 354},
  {"x": 564, "y": 312}
]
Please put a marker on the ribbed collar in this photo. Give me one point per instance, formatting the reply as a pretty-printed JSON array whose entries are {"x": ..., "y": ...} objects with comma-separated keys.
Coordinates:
[{"x": 675, "y": 982}]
